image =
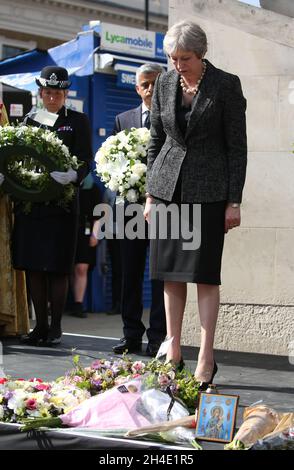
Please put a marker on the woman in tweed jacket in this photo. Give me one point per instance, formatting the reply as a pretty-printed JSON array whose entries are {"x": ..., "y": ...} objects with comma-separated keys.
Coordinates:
[{"x": 197, "y": 158}]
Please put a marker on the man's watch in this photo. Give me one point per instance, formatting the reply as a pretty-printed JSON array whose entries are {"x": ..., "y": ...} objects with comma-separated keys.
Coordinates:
[{"x": 235, "y": 205}]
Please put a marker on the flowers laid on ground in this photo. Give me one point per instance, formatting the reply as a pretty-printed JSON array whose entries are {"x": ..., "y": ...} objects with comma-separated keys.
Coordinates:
[
  {"x": 27, "y": 156},
  {"x": 104, "y": 374},
  {"x": 121, "y": 163},
  {"x": 37, "y": 399},
  {"x": 125, "y": 395},
  {"x": 110, "y": 396},
  {"x": 34, "y": 398},
  {"x": 133, "y": 397}
]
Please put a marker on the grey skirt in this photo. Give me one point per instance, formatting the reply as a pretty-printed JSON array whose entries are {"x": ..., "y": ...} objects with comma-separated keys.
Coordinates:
[{"x": 176, "y": 258}]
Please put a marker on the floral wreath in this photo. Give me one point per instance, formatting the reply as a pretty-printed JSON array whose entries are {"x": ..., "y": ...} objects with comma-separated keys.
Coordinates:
[{"x": 27, "y": 156}]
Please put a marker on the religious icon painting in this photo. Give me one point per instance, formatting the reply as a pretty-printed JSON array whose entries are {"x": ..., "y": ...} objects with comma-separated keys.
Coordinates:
[{"x": 216, "y": 417}]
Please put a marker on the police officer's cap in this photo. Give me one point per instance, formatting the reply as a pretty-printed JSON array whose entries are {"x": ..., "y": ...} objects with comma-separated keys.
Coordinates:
[{"x": 54, "y": 77}]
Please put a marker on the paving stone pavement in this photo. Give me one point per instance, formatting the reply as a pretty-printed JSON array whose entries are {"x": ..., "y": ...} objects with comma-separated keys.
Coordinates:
[{"x": 253, "y": 377}]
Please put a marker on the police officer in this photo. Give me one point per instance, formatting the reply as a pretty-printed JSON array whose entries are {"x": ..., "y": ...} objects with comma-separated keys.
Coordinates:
[{"x": 44, "y": 240}]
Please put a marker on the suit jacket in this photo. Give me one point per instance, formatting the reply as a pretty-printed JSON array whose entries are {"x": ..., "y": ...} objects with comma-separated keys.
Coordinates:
[
  {"x": 212, "y": 155},
  {"x": 128, "y": 119},
  {"x": 133, "y": 254}
]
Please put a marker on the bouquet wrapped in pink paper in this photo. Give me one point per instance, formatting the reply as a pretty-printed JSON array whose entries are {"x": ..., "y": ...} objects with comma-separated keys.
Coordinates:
[{"x": 114, "y": 409}]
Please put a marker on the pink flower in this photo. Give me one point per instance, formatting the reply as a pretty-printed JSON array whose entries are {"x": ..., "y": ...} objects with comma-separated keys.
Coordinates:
[
  {"x": 3, "y": 380},
  {"x": 77, "y": 379},
  {"x": 41, "y": 387},
  {"x": 35, "y": 380},
  {"x": 138, "y": 366},
  {"x": 31, "y": 404},
  {"x": 97, "y": 364}
]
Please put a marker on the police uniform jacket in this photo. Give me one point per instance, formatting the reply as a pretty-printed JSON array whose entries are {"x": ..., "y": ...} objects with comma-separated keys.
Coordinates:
[{"x": 45, "y": 238}]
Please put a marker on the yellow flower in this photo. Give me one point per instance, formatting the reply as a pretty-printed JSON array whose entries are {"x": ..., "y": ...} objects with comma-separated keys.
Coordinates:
[
  {"x": 57, "y": 401},
  {"x": 44, "y": 413}
]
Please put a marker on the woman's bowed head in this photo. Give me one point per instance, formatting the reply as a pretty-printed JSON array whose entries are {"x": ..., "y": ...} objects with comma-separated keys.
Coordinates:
[{"x": 186, "y": 45}]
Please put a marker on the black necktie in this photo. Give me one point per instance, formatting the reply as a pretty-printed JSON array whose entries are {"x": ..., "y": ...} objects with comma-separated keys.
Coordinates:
[{"x": 147, "y": 120}]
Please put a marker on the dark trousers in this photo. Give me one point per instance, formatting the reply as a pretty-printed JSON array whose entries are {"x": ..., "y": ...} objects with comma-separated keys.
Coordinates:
[
  {"x": 114, "y": 248},
  {"x": 133, "y": 254}
]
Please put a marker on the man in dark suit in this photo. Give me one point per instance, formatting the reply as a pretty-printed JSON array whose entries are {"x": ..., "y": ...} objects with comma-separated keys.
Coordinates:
[{"x": 133, "y": 252}]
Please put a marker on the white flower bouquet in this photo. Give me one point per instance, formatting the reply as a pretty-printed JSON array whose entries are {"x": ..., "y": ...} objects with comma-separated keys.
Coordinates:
[
  {"x": 120, "y": 163},
  {"x": 37, "y": 399},
  {"x": 27, "y": 156}
]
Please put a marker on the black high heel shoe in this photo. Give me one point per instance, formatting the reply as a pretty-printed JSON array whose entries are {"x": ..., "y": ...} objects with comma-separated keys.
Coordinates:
[{"x": 204, "y": 385}]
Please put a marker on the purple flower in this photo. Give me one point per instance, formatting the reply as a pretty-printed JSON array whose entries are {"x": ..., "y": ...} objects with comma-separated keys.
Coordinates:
[
  {"x": 116, "y": 368},
  {"x": 8, "y": 395},
  {"x": 97, "y": 364},
  {"x": 96, "y": 383}
]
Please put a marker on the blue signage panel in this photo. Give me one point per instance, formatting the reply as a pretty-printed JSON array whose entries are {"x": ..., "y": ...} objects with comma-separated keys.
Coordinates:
[
  {"x": 126, "y": 79},
  {"x": 159, "y": 52}
]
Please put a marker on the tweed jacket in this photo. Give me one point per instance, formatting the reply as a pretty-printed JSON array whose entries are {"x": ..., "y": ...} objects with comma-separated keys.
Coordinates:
[{"x": 212, "y": 155}]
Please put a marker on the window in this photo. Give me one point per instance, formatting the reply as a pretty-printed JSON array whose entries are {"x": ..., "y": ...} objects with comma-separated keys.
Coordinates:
[
  {"x": 10, "y": 51},
  {"x": 11, "y": 47}
]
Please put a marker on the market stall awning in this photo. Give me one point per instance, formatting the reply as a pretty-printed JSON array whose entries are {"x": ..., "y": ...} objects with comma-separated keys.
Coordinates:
[{"x": 76, "y": 56}]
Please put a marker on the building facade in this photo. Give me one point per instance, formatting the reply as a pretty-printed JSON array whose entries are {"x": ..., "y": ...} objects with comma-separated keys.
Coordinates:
[{"x": 29, "y": 24}]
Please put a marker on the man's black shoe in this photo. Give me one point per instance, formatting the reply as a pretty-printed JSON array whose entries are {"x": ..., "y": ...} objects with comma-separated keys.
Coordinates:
[
  {"x": 127, "y": 345},
  {"x": 113, "y": 311},
  {"x": 152, "y": 349}
]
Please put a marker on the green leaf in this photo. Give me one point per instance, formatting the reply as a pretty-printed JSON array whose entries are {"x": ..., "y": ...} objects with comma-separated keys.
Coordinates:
[{"x": 76, "y": 359}]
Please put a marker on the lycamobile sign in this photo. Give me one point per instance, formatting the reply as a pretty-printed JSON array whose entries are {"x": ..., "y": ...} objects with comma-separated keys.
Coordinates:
[
  {"x": 113, "y": 38},
  {"x": 124, "y": 39}
]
